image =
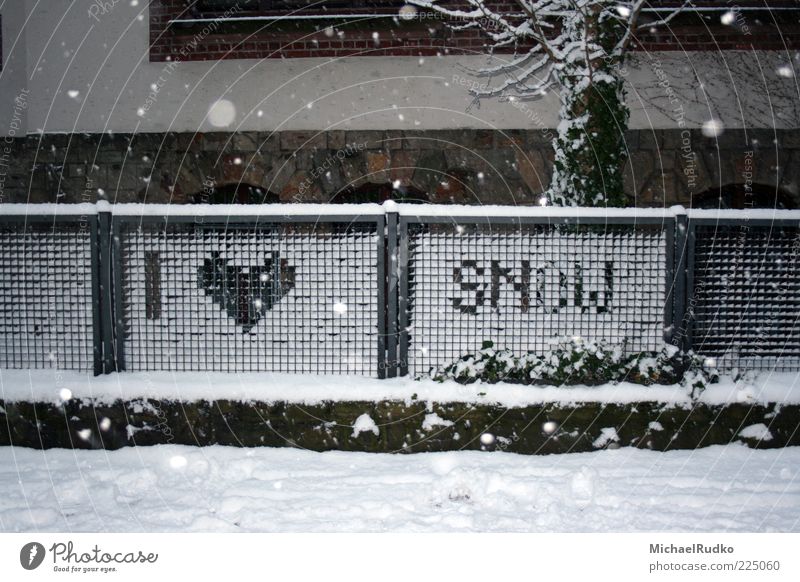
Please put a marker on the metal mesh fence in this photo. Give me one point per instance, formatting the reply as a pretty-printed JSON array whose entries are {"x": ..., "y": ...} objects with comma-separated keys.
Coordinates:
[
  {"x": 46, "y": 296},
  {"x": 270, "y": 297},
  {"x": 746, "y": 296},
  {"x": 295, "y": 295},
  {"x": 524, "y": 286}
]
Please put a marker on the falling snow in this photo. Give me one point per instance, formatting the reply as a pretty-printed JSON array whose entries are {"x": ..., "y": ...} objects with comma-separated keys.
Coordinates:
[
  {"x": 713, "y": 128},
  {"x": 728, "y": 18},
  {"x": 221, "y": 113}
]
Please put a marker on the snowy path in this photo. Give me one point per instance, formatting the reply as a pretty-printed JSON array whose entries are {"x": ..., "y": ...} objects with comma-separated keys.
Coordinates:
[{"x": 177, "y": 488}]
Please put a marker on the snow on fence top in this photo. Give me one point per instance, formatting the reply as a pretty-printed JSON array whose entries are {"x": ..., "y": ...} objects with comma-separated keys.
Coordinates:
[
  {"x": 408, "y": 210},
  {"x": 49, "y": 209},
  {"x": 458, "y": 211},
  {"x": 749, "y": 214},
  {"x": 265, "y": 210}
]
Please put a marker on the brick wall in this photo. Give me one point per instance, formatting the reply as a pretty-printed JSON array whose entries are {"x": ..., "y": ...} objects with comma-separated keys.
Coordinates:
[{"x": 763, "y": 30}]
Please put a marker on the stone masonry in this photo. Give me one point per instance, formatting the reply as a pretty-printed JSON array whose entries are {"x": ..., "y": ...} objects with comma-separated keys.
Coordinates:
[{"x": 454, "y": 166}]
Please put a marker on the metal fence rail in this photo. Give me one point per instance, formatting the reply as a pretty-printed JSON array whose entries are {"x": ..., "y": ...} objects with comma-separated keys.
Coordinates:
[{"x": 381, "y": 291}]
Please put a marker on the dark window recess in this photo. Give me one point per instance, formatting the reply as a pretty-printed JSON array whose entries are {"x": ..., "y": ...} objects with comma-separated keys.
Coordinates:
[
  {"x": 1, "y": 43},
  {"x": 238, "y": 193},
  {"x": 744, "y": 196},
  {"x": 378, "y": 193},
  {"x": 299, "y": 7},
  {"x": 222, "y": 5}
]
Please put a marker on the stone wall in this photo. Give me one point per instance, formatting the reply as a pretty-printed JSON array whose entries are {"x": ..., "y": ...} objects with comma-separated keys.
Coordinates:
[
  {"x": 450, "y": 166},
  {"x": 329, "y": 426}
]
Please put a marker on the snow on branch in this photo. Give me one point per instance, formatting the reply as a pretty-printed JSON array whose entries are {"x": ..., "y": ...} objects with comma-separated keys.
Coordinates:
[
  {"x": 670, "y": 16},
  {"x": 549, "y": 37}
]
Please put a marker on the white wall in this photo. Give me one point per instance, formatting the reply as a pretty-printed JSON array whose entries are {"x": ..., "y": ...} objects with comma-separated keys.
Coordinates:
[
  {"x": 14, "y": 94},
  {"x": 107, "y": 64}
]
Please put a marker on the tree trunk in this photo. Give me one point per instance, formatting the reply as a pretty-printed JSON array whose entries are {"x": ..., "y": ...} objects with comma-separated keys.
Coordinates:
[{"x": 590, "y": 149}]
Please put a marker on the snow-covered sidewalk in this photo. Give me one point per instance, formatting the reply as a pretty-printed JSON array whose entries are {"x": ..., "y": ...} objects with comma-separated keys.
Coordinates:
[{"x": 177, "y": 488}]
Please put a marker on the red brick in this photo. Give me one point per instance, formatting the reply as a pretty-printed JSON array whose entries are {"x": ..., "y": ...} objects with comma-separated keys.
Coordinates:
[{"x": 166, "y": 41}]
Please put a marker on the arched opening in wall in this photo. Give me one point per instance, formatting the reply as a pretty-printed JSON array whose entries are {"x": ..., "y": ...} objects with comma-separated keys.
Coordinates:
[
  {"x": 741, "y": 196},
  {"x": 236, "y": 193},
  {"x": 378, "y": 193}
]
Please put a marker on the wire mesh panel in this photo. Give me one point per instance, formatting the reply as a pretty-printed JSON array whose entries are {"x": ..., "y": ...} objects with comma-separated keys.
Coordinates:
[
  {"x": 270, "y": 297},
  {"x": 746, "y": 296},
  {"x": 524, "y": 286},
  {"x": 46, "y": 295}
]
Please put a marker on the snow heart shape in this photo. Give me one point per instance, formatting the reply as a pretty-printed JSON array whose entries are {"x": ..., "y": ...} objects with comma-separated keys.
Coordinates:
[{"x": 246, "y": 292}]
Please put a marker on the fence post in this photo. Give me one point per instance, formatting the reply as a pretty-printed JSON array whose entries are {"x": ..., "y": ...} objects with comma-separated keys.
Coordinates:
[
  {"x": 680, "y": 250},
  {"x": 402, "y": 272},
  {"x": 382, "y": 288},
  {"x": 391, "y": 312},
  {"x": 689, "y": 296},
  {"x": 97, "y": 325},
  {"x": 117, "y": 308},
  {"x": 106, "y": 288}
]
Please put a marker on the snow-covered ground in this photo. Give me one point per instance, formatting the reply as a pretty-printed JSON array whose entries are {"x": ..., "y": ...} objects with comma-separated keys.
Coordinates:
[{"x": 177, "y": 488}]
